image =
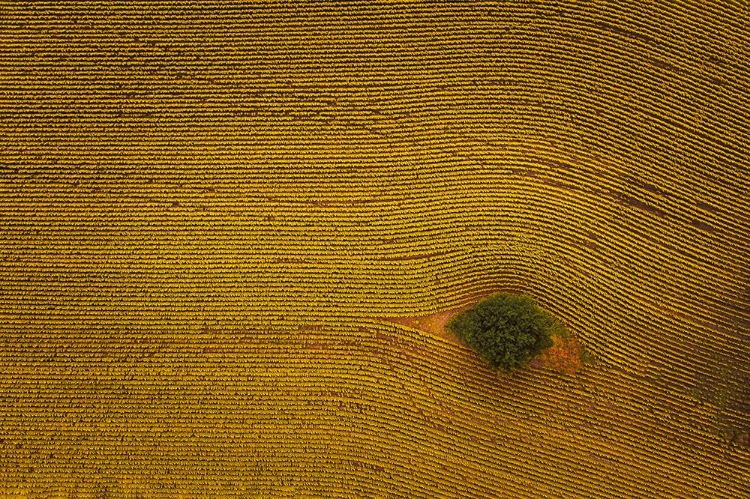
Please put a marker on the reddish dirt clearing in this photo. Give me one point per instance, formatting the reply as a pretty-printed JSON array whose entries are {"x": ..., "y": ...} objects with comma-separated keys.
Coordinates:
[
  {"x": 433, "y": 324},
  {"x": 564, "y": 356}
]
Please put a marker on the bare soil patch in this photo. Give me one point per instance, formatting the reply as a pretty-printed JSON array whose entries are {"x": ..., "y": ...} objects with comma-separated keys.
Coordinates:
[
  {"x": 434, "y": 324},
  {"x": 564, "y": 356}
]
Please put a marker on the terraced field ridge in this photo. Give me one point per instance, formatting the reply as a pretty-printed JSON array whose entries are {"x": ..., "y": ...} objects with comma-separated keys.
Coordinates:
[{"x": 220, "y": 221}]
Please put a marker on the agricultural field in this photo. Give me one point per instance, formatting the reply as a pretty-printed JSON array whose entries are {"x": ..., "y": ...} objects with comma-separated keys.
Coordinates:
[{"x": 231, "y": 234}]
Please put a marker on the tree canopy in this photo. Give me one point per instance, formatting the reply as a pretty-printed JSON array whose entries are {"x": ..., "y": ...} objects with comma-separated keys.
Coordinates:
[{"x": 506, "y": 330}]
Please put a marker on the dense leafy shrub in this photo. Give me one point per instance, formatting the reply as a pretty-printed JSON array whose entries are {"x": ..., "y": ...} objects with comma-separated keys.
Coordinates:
[{"x": 506, "y": 330}]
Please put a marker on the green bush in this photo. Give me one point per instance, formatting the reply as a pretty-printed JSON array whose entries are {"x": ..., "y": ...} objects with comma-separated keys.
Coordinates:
[{"x": 506, "y": 330}]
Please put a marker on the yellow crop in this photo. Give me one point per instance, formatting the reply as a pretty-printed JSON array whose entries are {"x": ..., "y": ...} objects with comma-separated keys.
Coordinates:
[{"x": 218, "y": 222}]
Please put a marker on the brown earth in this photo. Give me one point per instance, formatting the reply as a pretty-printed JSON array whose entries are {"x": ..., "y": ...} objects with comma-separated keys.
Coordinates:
[{"x": 565, "y": 355}]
